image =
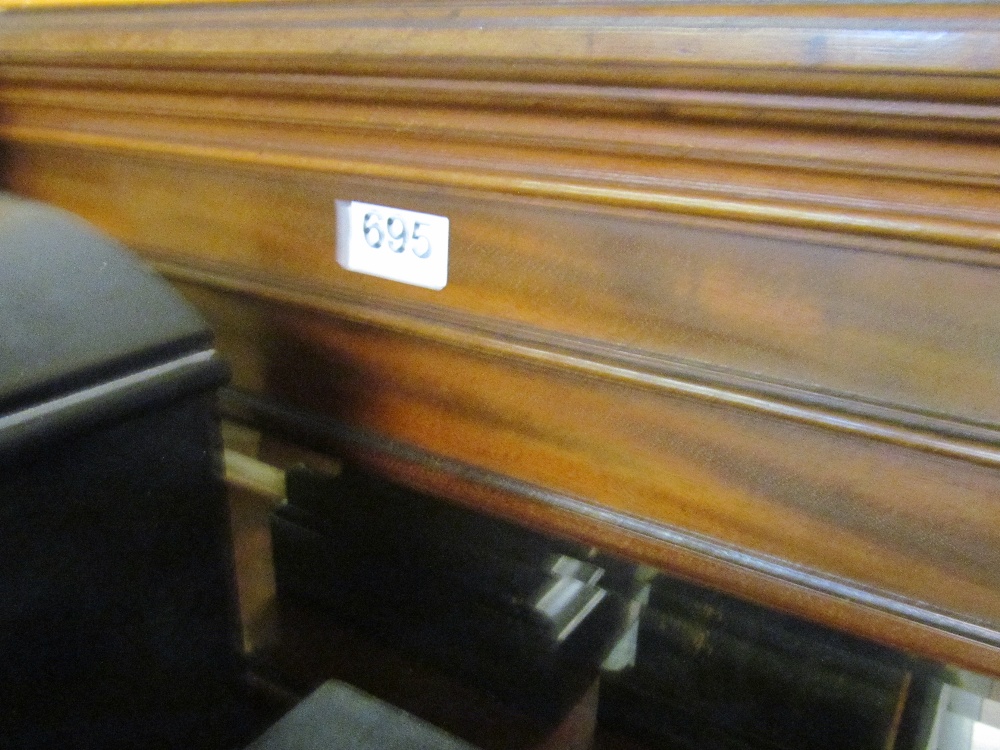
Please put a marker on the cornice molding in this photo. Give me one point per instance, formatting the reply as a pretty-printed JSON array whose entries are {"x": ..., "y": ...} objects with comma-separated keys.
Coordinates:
[
  {"x": 774, "y": 114},
  {"x": 624, "y": 43},
  {"x": 918, "y": 208}
]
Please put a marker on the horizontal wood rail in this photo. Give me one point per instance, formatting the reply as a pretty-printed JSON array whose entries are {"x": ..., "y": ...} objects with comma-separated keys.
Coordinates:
[
  {"x": 934, "y": 434},
  {"x": 769, "y": 580}
]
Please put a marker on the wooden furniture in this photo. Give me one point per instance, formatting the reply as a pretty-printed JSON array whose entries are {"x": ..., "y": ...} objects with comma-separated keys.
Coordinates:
[{"x": 723, "y": 291}]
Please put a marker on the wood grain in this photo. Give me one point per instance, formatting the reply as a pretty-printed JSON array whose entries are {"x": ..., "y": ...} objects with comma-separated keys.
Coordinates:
[
  {"x": 295, "y": 86},
  {"x": 642, "y": 298},
  {"x": 891, "y": 49},
  {"x": 836, "y": 516},
  {"x": 731, "y": 570},
  {"x": 724, "y": 281},
  {"x": 796, "y": 492},
  {"x": 609, "y": 162}
]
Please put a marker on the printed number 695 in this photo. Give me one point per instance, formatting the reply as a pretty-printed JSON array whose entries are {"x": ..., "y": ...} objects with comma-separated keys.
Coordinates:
[{"x": 394, "y": 234}]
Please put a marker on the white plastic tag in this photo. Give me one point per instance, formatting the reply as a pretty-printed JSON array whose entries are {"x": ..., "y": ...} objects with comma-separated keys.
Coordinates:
[{"x": 393, "y": 243}]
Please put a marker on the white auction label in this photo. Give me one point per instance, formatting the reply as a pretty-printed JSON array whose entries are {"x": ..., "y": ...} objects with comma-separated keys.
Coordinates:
[{"x": 393, "y": 243}]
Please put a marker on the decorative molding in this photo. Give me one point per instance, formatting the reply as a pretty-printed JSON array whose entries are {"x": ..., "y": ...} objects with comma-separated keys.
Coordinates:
[
  {"x": 821, "y": 323},
  {"x": 876, "y": 614},
  {"x": 621, "y": 102},
  {"x": 940, "y": 435},
  {"x": 759, "y": 113},
  {"x": 617, "y": 186},
  {"x": 622, "y": 43}
]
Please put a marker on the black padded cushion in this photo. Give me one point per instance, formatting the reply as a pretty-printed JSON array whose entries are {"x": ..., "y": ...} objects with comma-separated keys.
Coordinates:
[{"x": 77, "y": 309}]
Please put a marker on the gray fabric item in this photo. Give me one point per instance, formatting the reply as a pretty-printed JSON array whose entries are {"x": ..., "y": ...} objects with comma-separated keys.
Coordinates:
[
  {"x": 77, "y": 309},
  {"x": 339, "y": 717}
]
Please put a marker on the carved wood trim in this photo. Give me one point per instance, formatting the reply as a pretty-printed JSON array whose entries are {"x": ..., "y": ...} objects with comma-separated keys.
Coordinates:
[
  {"x": 688, "y": 153},
  {"x": 621, "y": 365},
  {"x": 897, "y": 49},
  {"x": 772, "y": 581}
]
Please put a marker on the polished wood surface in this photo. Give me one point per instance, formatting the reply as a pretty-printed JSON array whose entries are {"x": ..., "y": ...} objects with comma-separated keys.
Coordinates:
[
  {"x": 723, "y": 286},
  {"x": 770, "y": 311}
]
